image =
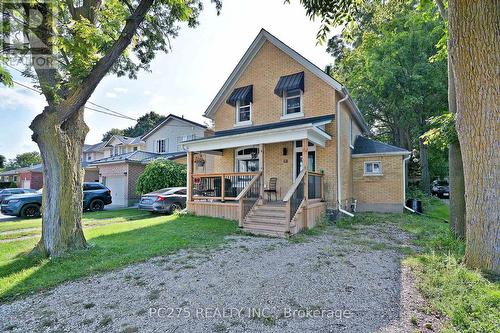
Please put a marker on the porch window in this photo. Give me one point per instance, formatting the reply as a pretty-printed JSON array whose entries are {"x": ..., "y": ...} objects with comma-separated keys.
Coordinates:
[
  {"x": 247, "y": 159},
  {"x": 373, "y": 168},
  {"x": 243, "y": 112}
]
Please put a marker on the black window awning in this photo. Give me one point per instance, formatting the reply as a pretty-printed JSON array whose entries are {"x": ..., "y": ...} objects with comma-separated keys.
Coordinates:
[
  {"x": 289, "y": 82},
  {"x": 244, "y": 95}
]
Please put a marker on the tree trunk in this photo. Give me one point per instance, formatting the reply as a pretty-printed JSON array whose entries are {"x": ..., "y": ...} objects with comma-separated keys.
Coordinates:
[
  {"x": 425, "y": 180},
  {"x": 455, "y": 167},
  {"x": 457, "y": 190},
  {"x": 475, "y": 36},
  {"x": 61, "y": 148}
]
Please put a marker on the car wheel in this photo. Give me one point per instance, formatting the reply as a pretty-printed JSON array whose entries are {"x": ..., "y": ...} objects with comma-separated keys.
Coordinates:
[
  {"x": 96, "y": 205},
  {"x": 174, "y": 207},
  {"x": 30, "y": 211}
]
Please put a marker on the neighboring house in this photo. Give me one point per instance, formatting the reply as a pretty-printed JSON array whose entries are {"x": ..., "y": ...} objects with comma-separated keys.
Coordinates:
[
  {"x": 123, "y": 159},
  {"x": 276, "y": 108},
  {"x": 28, "y": 177},
  {"x": 91, "y": 153}
]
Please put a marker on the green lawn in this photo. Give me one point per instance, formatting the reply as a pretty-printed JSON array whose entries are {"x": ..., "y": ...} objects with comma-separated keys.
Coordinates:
[
  {"x": 126, "y": 240},
  {"x": 469, "y": 299}
]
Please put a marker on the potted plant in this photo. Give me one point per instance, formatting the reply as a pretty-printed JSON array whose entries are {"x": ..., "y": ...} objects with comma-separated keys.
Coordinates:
[{"x": 199, "y": 160}]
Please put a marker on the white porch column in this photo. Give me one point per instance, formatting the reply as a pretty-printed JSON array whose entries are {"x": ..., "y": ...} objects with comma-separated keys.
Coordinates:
[{"x": 305, "y": 167}]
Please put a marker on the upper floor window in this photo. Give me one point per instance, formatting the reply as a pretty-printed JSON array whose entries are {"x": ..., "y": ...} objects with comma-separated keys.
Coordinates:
[
  {"x": 243, "y": 112},
  {"x": 135, "y": 148},
  {"x": 292, "y": 102},
  {"x": 89, "y": 157},
  {"x": 373, "y": 168},
  {"x": 161, "y": 146},
  {"x": 183, "y": 138},
  {"x": 242, "y": 98},
  {"x": 291, "y": 89}
]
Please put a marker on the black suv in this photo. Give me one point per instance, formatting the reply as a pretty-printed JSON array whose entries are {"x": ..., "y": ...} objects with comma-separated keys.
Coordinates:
[{"x": 95, "y": 197}]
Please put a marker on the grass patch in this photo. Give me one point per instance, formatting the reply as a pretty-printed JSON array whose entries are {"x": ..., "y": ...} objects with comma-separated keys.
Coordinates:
[
  {"x": 466, "y": 297},
  {"x": 110, "y": 246}
]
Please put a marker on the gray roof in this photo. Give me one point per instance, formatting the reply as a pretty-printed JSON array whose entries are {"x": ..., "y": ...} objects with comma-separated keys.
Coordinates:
[
  {"x": 137, "y": 156},
  {"x": 170, "y": 117},
  {"x": 95, "y": 147},
  {"x": 33, "y": 168},
  {"x": 128, "y": 140},
  {"x": 363, "y": 145},
  {"x": 257, "y": 128}
]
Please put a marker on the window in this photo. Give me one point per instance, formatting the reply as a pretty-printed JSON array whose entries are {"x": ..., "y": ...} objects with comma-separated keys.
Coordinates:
[
  {"x": 161, "y": 146},
  {"x": 89, "y": 157},
  {"x": 243, "y": 113},
  {"x": 181, "y": 192},
  {"x": 135, "y": 148},
  {"x": 373, "y": 169},
  {"x": 311, "y": 157},
  {"x": 292, "y": 103},
  {"x": 15, "y": 178},
  {"x": 247, "y": 159}
]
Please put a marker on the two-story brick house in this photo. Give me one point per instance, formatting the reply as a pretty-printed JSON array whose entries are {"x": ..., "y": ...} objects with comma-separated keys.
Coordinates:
[
  {"x": 118, "y": 162},
  {"x": 289, "y": 143}
]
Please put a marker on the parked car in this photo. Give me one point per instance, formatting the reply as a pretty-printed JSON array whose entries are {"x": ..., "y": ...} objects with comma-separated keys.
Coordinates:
[
  {"x": 95, "y": 197},
  {"x": 166, "y": 200},
  {"x": 7, "y": 192},
  {"x": 441, "y": 188}
]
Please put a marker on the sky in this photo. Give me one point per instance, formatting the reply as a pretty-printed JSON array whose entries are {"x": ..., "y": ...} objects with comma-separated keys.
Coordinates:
[{"x": 182, "y": 82}]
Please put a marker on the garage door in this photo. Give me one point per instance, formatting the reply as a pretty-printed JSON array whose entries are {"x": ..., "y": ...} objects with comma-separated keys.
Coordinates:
[{"x": 117, "y": 186}]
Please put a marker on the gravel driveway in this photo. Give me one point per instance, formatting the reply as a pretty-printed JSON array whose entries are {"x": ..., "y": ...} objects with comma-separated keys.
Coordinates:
[{"x": 343, "y": 280}]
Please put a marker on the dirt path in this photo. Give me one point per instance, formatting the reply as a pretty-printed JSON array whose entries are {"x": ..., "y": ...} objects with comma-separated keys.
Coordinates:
[{"x": 345, "y": 280}]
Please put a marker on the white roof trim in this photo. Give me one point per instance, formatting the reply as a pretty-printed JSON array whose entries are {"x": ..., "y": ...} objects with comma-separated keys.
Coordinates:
[
  {"x": 250, "y": 54},
  {"x": 275, "y": 135}
]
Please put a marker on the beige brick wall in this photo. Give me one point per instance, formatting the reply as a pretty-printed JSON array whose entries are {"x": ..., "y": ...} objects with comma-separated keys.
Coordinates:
[
  {"x": 326, "y": 160},
  {"x": 278, "y": 165},
  {"x": 385, "y": 189},
  {"x": 263, "y": 73}
]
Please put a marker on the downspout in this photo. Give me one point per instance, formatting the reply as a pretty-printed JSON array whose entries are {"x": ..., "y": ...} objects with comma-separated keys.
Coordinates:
[
  {"x": 338, "y": 116},
  {"x": 404, "y": 185}
]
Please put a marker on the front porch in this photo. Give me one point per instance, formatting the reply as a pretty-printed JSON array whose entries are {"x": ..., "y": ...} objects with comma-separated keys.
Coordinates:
[{"x": 250, "y": 197}]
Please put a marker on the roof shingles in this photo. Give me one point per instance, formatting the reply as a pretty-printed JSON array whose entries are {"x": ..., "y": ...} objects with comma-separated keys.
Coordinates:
[{"x": 363, "y": 145}]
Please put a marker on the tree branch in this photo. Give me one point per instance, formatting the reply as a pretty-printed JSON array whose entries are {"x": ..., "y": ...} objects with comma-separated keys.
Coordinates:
[
  {"x": 442, "y": 10},
  {"x": 80, "y": 95}
]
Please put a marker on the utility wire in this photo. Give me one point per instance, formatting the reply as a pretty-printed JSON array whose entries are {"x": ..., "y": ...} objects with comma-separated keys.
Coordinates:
[
  {"x": 114, "y": 114},
  {"x": 89, "y": 102}
]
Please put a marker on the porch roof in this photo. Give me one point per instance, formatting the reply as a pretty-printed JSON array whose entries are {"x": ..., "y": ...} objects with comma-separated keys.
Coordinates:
[{"x": 291, "y": 130}]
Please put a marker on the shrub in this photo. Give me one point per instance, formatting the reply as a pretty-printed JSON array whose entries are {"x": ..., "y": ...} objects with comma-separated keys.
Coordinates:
[{"x": 160, "y": 174}]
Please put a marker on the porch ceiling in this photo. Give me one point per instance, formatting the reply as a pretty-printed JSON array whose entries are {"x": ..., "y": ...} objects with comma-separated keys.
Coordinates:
[{"x": 304, "y": 131}]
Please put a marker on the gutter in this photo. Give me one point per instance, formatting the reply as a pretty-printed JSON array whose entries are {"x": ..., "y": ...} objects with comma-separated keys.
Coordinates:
[
  {"x": 338, "y": 117},
  {"x": 404, "y": 187}
]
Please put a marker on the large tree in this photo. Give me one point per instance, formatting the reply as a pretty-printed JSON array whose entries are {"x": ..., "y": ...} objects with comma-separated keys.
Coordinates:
[
  {"x": 474, "y": 36},
  {"x": 2, "y": 161},
  {"x": 74, "y": 45},
  {"x": 24, "y": 160},
  {"x": 385, "y": 61}
]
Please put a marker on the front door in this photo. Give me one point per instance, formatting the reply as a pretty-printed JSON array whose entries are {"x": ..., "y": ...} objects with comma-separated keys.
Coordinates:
[
  {"x": 297, "y": 162},
  {"x": 311, "y": 163}
]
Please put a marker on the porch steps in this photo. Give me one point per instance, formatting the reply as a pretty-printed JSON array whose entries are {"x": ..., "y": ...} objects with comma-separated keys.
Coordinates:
[{"x": 267, "y": 219}]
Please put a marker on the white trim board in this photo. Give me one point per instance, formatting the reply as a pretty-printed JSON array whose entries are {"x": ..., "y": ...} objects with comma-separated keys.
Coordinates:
[{"x": 285, "y": 134}]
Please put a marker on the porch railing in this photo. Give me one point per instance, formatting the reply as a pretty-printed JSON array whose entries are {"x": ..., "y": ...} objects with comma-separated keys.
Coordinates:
[
  {"x": 249, "y": 196},
  {"x": 294, "y": 198},
  {"x": 315, "y": 185},
  {"x": 220, "y": 186}
]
